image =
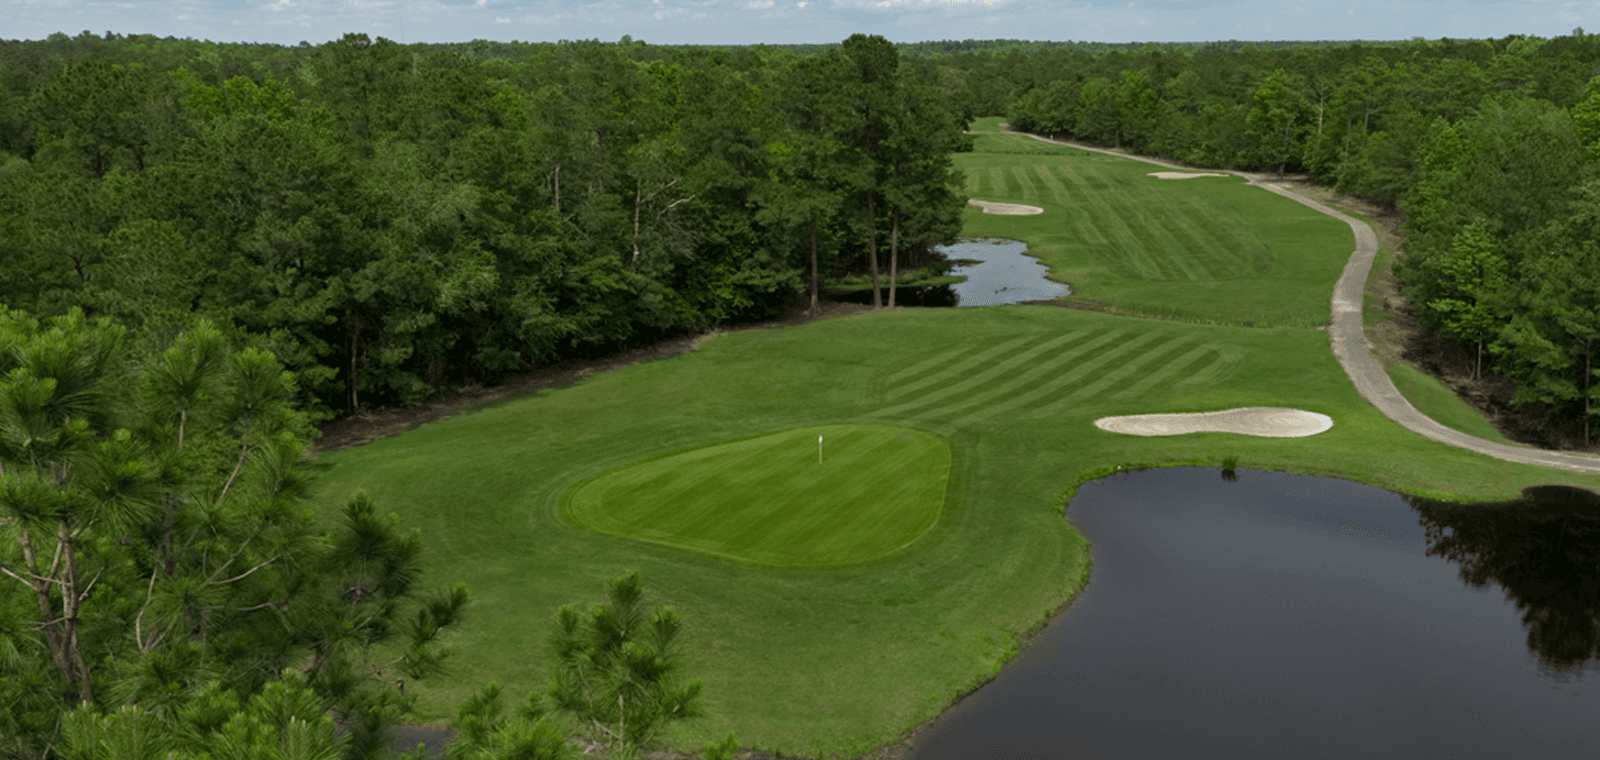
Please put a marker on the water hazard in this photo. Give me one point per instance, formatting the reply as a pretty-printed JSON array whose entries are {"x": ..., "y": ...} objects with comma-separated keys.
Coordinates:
[
  {"x": 1290, "y": 616},
  {"x": 1002, "y": 273}
]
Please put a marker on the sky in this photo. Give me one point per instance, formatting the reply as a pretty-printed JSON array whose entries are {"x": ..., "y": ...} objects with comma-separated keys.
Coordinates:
[{"x": 796, "y": 21}]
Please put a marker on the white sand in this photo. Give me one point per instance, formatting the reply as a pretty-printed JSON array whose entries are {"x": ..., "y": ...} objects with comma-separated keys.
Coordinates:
[
  {"x": 1006, "y": 209},
  {"x": 1264, "y": 421},
  {"x": 1184, "y": 175}
]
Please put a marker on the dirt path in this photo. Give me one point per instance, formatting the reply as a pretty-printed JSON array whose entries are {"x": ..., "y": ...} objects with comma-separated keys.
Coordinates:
[{"x": 1350, "y": 346}]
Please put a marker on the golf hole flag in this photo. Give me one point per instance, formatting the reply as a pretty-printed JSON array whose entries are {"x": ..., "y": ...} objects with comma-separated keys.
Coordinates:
[{"x": 819, "y": 449}]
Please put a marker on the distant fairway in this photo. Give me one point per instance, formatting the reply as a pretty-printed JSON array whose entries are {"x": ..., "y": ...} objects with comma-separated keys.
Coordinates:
[
  {"x": 1209, "y": 249},
  {"x": 768, "y": 500}
]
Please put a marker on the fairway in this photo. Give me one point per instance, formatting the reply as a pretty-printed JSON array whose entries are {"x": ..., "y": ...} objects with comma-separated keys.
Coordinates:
[
  {"x": 770, "y": 500},
  {"x": 1207, "y": 249}
]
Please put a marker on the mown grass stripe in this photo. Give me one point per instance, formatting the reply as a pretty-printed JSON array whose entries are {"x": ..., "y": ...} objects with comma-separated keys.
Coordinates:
[
  {"x": 1219, "y": 366},
  {"x": 952, "y": 356},
  {"x": 1108, "y": 220},
  {"x": 938, "y": 406},
  {"x": 964, "y": 368},
  {"x": 1193, "y": 245},
  {"x": 1056, "y": 384},
  {"x": 1020, "y": 354},
  {"x": 1025, "y": 183},
  {"x": 1094, "y": 391},
  {"x": 1234, "y": 237},
  {"x": 1025, "y": 380},
  {"x": 997, "y": 182},
  {"x": 1054, "y": 185},
  {"x": 1179, "y": 357}
]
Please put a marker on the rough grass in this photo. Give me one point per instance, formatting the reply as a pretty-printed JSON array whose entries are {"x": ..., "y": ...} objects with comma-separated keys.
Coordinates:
[
  {"x": 1211, "y": 249},
  {"x": 815, "y": 661},
  {"x": 771, "y": 499}
]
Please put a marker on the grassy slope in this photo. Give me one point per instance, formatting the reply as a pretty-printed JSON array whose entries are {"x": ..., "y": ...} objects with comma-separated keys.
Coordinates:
[
  {"x": 772, "y": 499},
  {"x": 837, "y": 660}
]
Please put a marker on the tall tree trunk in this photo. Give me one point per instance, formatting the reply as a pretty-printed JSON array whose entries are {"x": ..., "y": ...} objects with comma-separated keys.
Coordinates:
[
  {"x": 813, "y": 262},
  {"x": 558, "y": 189},
  {"x": 71, "y": 596},
  {"x": 47, "y": 610},
  {"x": 894, "y": 255},
  {"x": 600, "y": 154},
  {"x": 638, "y": 200},
  {"x": 355, "y": 342},
  {"x": 1588, "y": 377},
  {"x": 872, "y": 247}
]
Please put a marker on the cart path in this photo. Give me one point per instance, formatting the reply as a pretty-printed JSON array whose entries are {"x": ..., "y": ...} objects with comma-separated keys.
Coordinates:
[{"x": 1350, "y": 346}]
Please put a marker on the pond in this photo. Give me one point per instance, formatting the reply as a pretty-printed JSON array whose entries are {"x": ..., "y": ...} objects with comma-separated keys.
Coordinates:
[
  {"x": 1001, "y": 272},
  {"x": 1291, "y": 616}
]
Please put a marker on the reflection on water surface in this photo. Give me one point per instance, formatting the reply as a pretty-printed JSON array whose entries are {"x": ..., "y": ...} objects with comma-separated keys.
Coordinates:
[{"x": 1285, "y": 616}]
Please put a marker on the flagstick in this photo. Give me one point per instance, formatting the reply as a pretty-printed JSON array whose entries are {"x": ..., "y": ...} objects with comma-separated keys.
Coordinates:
[{"x": 819, "y": 449}]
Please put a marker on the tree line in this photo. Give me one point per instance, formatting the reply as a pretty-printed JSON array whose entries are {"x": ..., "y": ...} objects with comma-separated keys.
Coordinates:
[
  {"x": 391, "y": 221},
  {"x": 1488, "y": 147}
]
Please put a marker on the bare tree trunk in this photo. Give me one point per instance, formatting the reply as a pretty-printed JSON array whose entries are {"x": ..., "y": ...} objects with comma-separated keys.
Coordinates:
[
  {"x": 558, "y": 189},
  {"x": 600, "y": 154},
  {"x": 1588, "y": 377},
  {"x": 355, "y": 341},
  {"x": 894, "y": 255},
  {"x": 47, "y": 610},
  {"x": 71, "y": 596},
  {"x": 813, "y": 262},
  {"x": 872, "y": 247},
  {"x": 638, "y": 199}
]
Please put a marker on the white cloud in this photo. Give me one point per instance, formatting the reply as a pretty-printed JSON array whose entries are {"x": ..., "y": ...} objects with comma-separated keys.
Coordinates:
[{"x": 502, "y": 21}]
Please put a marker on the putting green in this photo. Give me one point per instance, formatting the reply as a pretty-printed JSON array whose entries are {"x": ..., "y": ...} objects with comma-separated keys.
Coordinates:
[{"x": 768, "y": 500}]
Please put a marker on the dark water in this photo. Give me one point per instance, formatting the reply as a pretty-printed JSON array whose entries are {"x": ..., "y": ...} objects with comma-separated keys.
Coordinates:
[
  {"x": 1003, "y": 274},
  {"x": 1286, "y": 616}
]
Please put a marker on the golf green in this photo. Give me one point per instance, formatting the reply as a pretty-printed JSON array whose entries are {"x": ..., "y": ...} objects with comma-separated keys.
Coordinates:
[{"x": 814, "y": 496}]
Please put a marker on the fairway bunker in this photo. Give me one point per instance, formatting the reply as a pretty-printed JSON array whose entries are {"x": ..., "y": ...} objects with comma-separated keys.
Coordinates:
[
  {"x": 1184, "y": 175},
  {"x": 1263, "y": 421},
  {"x": 1006, "y": 209},
  {"x": 784, "y": 499}
]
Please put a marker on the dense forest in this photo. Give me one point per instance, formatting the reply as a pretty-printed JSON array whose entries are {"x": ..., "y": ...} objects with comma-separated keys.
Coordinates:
[
  {"x": 208, "y": 248},
  {"x": 391, "y": 222}
]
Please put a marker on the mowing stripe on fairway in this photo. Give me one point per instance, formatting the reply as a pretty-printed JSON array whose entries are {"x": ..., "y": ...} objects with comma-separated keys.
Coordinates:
[
  {"x": 1024, "y": 183},
  {"x": 916, "y": 369},
  {"x": 994, "y": 371},
  {"x": 1007, "y": 386},
  {"x": 1110, "y": 222},
  {"x": 955, "y": 371},
  {"x": 1208, "y": 372},
  {"x": 768, "y": 500},
  {"x": 997, "y": 182},
  {"x": 1057, "y": 189},
  {"x": 1060, "y": 384},
  {"x": 1170, "y": 369}
]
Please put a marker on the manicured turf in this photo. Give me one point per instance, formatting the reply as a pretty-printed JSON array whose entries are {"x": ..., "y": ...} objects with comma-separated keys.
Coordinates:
[
  {"x": 815, "y": 661},
  {"x": 772, "y": 499},
  {"x": 1211, "y": 249}
]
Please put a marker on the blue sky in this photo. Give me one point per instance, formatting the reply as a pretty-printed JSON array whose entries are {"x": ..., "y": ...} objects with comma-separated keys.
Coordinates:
[{"x": 781, "y": 21}]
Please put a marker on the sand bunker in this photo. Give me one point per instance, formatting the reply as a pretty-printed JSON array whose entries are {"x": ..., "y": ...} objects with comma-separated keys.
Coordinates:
[
  {"x": 1185, "y": 175},
  {"x": 1264, "y": 421},
  {"x": 1006, "y": 209}
]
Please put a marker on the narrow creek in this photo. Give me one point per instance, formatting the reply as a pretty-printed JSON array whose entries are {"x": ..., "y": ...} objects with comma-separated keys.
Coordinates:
[{"x": 1292, "y": 616}]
